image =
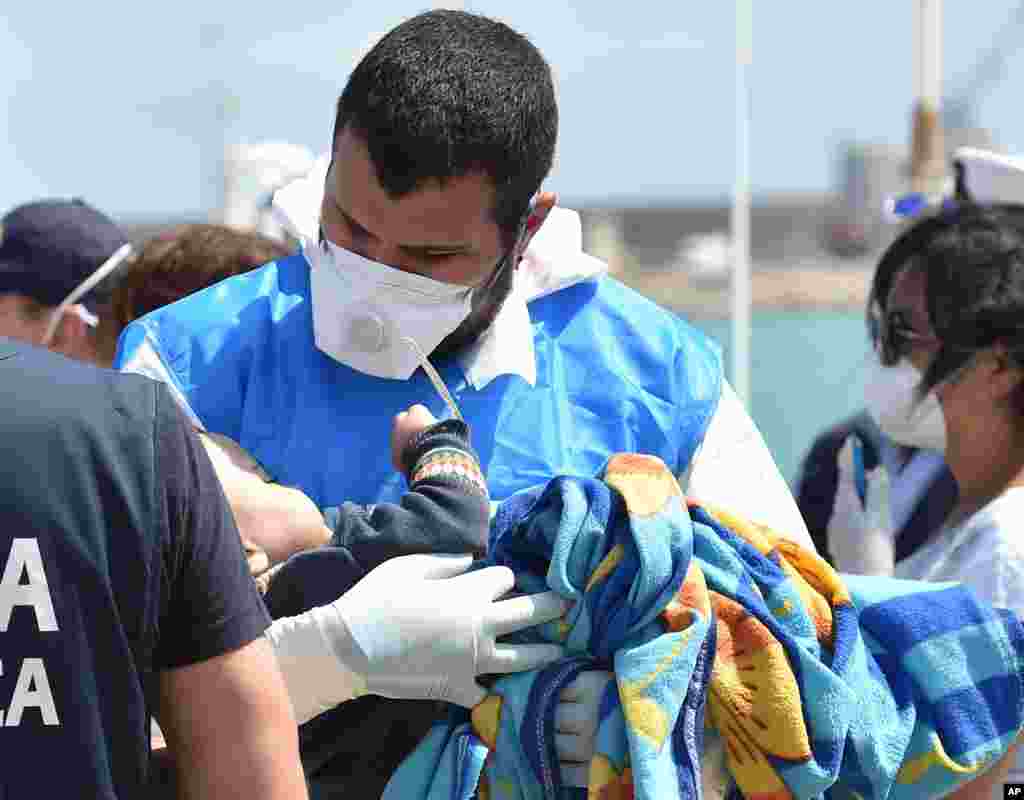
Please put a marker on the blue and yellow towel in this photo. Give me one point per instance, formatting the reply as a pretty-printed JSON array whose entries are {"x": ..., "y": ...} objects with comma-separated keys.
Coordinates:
[{"x": 889, "y": 689}]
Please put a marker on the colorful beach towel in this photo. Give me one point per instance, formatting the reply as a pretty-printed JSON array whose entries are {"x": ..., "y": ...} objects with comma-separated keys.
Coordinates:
[{"x": 814, "y": 681}]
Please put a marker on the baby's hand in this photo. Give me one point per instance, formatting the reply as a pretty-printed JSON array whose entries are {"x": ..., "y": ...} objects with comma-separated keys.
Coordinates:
[{"x": 405, "y": 426}]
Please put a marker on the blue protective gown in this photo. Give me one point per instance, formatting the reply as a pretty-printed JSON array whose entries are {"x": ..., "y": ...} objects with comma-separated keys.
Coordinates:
[{"x": 615, "y": 373}]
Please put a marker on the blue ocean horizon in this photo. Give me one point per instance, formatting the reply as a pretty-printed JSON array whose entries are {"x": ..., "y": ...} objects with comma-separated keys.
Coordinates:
[{"x": 807, "y": 372}]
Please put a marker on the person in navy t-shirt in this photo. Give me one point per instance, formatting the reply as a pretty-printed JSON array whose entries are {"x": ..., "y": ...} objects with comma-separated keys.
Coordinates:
[{"x": 124, "y": 593}]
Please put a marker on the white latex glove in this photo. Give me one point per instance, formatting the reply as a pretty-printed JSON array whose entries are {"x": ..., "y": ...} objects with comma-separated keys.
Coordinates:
[
  {"x": 576, "y": 719},
  {"x": 416, "y": 627},
  {"x": 860, "y": 536}
]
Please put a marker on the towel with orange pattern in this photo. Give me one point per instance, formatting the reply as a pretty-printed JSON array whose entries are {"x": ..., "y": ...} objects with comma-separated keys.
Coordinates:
[{"x": 814, "y": 681}]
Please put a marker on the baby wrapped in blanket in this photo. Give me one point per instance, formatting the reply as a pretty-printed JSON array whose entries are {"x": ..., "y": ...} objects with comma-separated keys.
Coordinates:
[{"x": 810, "y": 682}]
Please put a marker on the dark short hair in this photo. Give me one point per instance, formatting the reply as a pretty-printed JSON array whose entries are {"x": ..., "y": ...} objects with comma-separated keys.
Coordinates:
[
  {"x": 448, "y": 93},
  {"x": 972, "y": 258}
]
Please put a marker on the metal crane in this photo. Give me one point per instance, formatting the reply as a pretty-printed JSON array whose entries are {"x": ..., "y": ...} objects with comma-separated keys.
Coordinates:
[
  {"x": 854, "y": 225},
  {"x": 959, "y": 109}
]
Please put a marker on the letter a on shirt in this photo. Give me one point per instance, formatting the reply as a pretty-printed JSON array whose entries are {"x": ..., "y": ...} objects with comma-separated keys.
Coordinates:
[{"x": 25, "y": 558}]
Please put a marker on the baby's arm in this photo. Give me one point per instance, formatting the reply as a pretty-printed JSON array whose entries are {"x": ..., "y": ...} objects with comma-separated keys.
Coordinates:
[{"x": 446, "y": 510}]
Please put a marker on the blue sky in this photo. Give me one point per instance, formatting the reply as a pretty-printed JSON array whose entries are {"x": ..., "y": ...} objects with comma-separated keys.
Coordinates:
[{"x": 115, "y": 101}]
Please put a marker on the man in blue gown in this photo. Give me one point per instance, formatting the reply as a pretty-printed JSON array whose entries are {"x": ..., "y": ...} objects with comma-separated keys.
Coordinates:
[{"x": 432, "y": 227}]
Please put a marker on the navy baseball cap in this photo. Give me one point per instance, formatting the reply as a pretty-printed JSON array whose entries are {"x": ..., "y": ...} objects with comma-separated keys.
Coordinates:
[{"x": 49, "y": 247}]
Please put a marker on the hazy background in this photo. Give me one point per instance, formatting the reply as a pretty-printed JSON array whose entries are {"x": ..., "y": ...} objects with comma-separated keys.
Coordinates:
[{"x": 117, "y": 101}]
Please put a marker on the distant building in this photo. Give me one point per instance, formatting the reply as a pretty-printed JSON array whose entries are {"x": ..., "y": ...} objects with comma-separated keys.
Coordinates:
[
  {"x": 869, "y": 175},
  {"x": 785, "y": 231}
]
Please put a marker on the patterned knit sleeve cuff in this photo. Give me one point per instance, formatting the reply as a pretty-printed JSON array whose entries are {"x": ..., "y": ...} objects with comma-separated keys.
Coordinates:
[{"x": 442, "y": 453}]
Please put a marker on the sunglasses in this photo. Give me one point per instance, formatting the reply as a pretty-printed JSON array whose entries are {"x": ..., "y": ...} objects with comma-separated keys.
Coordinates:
[{"x": 894, "y": 336}]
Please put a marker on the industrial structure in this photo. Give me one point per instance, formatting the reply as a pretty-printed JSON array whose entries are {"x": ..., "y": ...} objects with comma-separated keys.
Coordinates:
[{"x": 869, "y": 173}]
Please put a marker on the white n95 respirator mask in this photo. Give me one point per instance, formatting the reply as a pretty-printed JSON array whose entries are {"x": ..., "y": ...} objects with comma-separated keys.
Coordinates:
[
  {"x": 890, "y": 394},
  {"x": 365, "y": 313}
]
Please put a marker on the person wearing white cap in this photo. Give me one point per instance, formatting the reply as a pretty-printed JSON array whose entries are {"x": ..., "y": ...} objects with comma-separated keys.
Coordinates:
[
  {"x": 947, "y": 310},
  {"x": 870, "y": 519},
  {"x": 947, "y": 323}
]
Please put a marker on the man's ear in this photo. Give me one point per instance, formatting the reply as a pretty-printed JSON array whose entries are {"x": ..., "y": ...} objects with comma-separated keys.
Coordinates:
[
  {"x": 72, "y": 337},
  {"x": 542, "y": 206}
]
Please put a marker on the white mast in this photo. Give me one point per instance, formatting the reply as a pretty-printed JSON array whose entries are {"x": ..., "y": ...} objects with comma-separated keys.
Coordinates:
[
  {"x": 928, "y": 158},
  {"x": 740, "y": 217}
]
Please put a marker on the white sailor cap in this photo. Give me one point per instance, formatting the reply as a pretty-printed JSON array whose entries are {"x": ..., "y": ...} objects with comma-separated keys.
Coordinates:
[
  {"x": 986, "y": 178},
  {"x": 991, "y": 177}
]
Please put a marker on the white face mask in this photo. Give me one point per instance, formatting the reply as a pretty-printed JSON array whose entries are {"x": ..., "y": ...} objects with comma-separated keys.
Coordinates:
[
  {"x": 891, "y": 399},
  {"x": 364, "y": 311}
]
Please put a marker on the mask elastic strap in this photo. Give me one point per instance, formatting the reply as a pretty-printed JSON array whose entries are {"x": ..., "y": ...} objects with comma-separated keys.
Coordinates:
[
  {"x": 84, "y": 287},
  {"x": 435, "y": 377},
  {"x": 506, "y": 259}
]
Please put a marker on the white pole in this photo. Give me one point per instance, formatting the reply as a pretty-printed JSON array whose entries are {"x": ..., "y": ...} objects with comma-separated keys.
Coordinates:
[
  {"x": 740, "y": 218},
  {"x": 930, "y": 87},
  {"x": 928, "y": 160}
]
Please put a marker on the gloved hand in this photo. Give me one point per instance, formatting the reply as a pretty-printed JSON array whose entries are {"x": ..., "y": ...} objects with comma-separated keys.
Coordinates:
[
  {"x": 576, "y": 719},
  {"x": 860, "y": 535},
  {"x": 416, "y": 627}
]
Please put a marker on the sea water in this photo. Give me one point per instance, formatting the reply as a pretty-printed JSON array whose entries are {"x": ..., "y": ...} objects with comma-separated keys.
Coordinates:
[{"x": 807, "y": 372}]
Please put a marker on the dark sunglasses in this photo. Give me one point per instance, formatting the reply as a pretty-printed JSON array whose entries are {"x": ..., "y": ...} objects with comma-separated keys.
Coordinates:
[{"x": 894, "y": 336}]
